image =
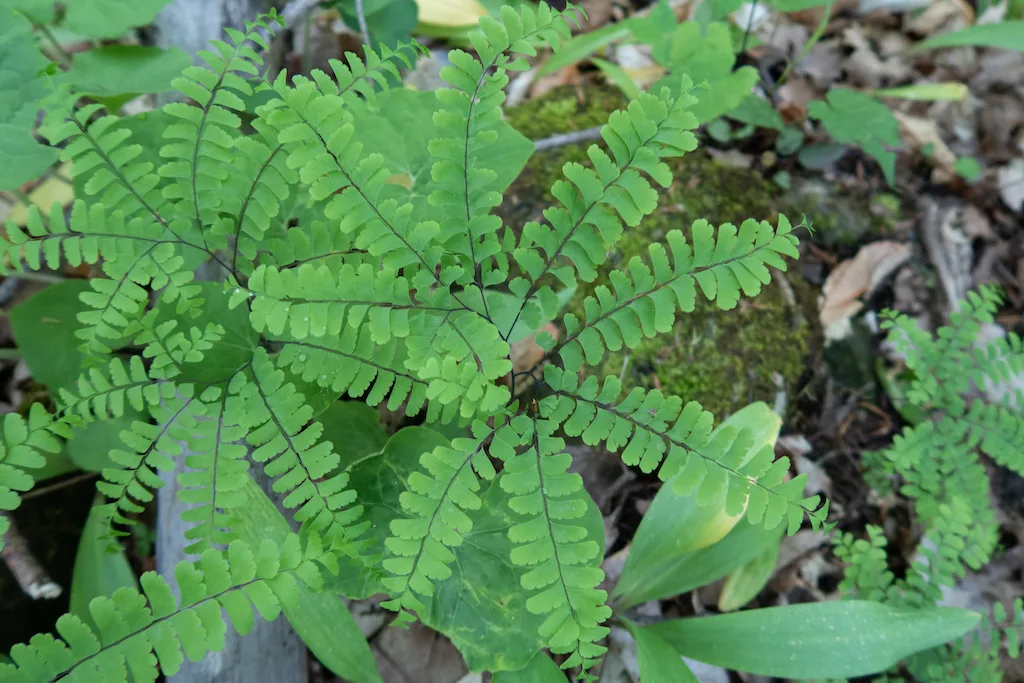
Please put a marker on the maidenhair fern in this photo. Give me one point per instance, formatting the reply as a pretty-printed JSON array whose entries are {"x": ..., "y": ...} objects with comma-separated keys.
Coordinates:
[
  {"x": 402, "y": 298},
  {"x": 959, "y": 379}
]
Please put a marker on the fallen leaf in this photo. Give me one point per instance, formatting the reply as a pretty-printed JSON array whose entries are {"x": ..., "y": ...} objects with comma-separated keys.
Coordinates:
[
  {"x": 919, "y": 133},
  {"x": 1011, "y": 184},
  {"x": 451, "y": 13},
  {"x": 526, "y": 353},
  {"x": 43, "y": 195},
  {"x": 570, "y": 75},
  {"x": 731, "y": 157},
  {"x": 941, "y": 15},
  {"x": 852, "y": 279}
]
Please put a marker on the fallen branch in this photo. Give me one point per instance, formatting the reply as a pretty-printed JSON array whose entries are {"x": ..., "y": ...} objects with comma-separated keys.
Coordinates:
[{"x": 27, "y": 571}]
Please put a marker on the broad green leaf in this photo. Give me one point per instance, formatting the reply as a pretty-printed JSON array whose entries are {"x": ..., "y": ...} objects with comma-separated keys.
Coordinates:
[
  {"x": 44, "y": 329},
  {"x": 968, "y": 168},
  {"x": 617, "y": 76},
  {"x": 504, "y": 306},
  {"x": 56, "y": 465},
  {"x": 116, "y": 73},
  {"x": 926, "y": 92},
  {"x": 320, "y": 618},
  {"x": 661, "y": 559},
  {"x": 355, "y": 430},
  {"x": 745, "y": 582},
  {"x": 1008, "y": 35},
  {"x": 705, "y": 56},
  {"x": 233, "y": 350},
  {"x": 658, "y": 660},
  {"x": 656, "y": 26},
  {"x": 401, "y": 130},
  {"x": 756, "y": 111},
  {"x": 540, "y": 670},
  {"x": 110, "y": 18},
  {"x": 797, "y": 5},
  {"x": 853, "y": 118},
  {"x": 98, "y": 571},
  {"x": 582, "y": 46},
  {"x": 839, "y": 639},
  {"x": 90, "y": 445},
  {"x": 21, "y": 157}
]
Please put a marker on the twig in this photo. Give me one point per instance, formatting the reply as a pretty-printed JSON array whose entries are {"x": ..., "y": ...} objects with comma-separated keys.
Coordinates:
[
  {"x": 32, "y": 578},
  {"x": 43, "y": 490},
  {"x": 363, "y": 28},
  {"x": 809, "y": 45},
  {"x": 562, "y": 139},
  {"x": 62, "y": 55},
  {"x": 750, "y": 25}
]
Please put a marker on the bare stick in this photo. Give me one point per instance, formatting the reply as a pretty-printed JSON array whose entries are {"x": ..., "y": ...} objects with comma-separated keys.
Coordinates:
[
  {"x": 562, "y": 139},
  {"x": 363, "y": 28},
  {"x": 27, "y": 571}
]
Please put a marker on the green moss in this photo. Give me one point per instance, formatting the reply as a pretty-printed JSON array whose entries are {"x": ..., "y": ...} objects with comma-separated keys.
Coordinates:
[{"x": 724, "y": 359}]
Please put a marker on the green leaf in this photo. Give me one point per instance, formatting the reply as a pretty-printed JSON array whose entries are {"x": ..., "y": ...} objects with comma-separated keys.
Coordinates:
[
  {"x": 705, "y": 56},
  {"x": 617, "y": 76},
  {"x": 98, "y": 572},
  {"x": 355, "y": 430},
  {"x": 745, "y": 582},
  {"x": 110, "y": 18},
  {"x": 21, "y": 157},
  {"x": 119, "y": 72},
  {"x": 389, "y": 22},
  {"x": 89, "y": 445},
  {"x": 320, "y": 618},
  {"x": 968, "y": 168},
  {"x": 1008, "y": 35},
  {"x": 656, "y": 26},
  {"x": 233, "y": 350},
  {"x": 756, "y": 111},
  {"x": 582, "y": 46},
  {"x": 44, "y": 329},
  {"x": 401, "y": 130},
  {"x": 540, "y": 670},
  {"x": 926, "y": 92},
  {"x": 56, "y": 465},
  {"x": 840, "y": 639},
  {"x": 658, "y": 660},
  {"x": 663, "y": 558},
  {"x": 855, "y": 118}
]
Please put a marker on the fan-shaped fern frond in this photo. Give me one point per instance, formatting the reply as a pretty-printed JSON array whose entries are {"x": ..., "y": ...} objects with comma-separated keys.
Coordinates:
[
  {"x": 315, "y": 243},
  {"x": 643, "y": 302},
  {"x": 651, "y": 429},
  {"x": 464, "y": 171},
  {"x": 564, "y": 572},
  {"x": 288, "y": 444},
  {"x": 435, "y": 503},
  {"x": 143, "y": 634}
]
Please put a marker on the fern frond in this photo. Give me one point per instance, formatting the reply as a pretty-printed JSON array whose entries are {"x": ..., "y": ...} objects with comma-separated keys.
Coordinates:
[
  {"x": 464, "y": 171},
  {"x": 352, "y": 363},
  {"x": 652, "y": 430},
  {"x": 318, "y": 301},
  {"x": 724, "y": 265},
  {"x": 171, "y": 348},
  {"x": 201, "y": 148},
  {"x": 594, "y": 204},
  {"x": 122, "y": 296},
  {"x": 103, "y": 155},
  {"x": 251, "y": 198},
  {"x": 435, "y": 503},
  {"x": 311, "y": 244},
  {"x": 143, "y": 634},
  {"x": 102, "y": 395},
  {"x": 151, "y": 448},
  {"x": 217, "y": 473},
  {"x": 564, "y": 564},
  {"x": 286, "y": 441},
  {"x": 22, "y": 445}
]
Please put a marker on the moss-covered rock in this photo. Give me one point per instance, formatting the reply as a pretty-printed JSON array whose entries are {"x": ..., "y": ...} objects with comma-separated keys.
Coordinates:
[{"x": 724, "y": 359}]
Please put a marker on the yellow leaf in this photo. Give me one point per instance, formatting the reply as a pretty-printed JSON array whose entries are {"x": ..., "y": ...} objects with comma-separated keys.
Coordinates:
[
  {"x": 452, "y": 13},
  {"x": 44, "y": 194}
]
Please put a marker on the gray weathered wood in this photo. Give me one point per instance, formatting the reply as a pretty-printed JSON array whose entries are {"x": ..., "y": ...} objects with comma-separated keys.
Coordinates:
[{"x": 271, "y": 652}]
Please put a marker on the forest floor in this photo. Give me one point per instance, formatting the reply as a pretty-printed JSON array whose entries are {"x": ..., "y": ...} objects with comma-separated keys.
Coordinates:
[{"x": 814, "y": 350}]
